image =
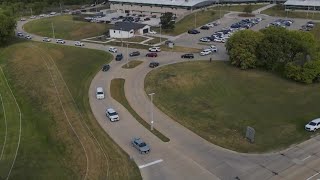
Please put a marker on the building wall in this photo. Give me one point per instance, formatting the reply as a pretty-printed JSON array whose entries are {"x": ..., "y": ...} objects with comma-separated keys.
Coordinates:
[
  {"x": 147, "y": 9},
  {"x": 140, "y": 31},
  {"x": 120, "y": 34}
]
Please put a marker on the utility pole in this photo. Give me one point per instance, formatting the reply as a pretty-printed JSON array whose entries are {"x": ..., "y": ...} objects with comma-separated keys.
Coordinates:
[
  {"x": 127, "y": 52},
  {"x": 195, "y": 20},
  {"x": 160, "y": 32},
  {"x": 53, "y": 31},
  {"x": 60, "y": 8},
  {"x": 151, "y": 95},
  {"x": 121, "y": 37},
  {"x": 31, "y": 11}
]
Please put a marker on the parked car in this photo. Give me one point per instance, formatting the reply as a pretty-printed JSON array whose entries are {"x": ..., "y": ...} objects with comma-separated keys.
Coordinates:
[
  {"x": 205, "y": 52},
  {"x": 168, "y": 42},
  {"x": 28, "y": 37},
  {"x": 112, "y": 115},
  {"x": 152, "y": 54},
  {"x": 193, "y": 31},
  {"x": 78, "y": 43},
  {"x": 152, "y": 32},
  {"x": 205, "y": 39},
  {"x": 205, "y": 27},
  {"x": 33, "y": 17},
  {"x": 119, "y": 57},
  {"x": 154, "y": 49},
  {"x": 313, "y": 125},
  {"x": 213, "y": 48},
  {"x": 135, "y": 53},
  {"x": 154, "y": 64},
  {"x": 99, "y": 93},
  {"x": 210, "y": 25},
  {"x": 105, "y": 67},
  {"x": 60, "y": 41},
  {"x": 140, "y": 145},
  {"x": 146, "y": 19},
  {"x": 20, "y": 34},
  {"x": 113, "y": 49},
  {"x": 189, "y": 56},
  {"x": 23, "y": 19},
  {"x": 46, "y": 39}
]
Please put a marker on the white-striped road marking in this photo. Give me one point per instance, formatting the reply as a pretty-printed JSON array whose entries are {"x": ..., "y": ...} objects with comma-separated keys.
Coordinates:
[
  {"x": 312, "y": 176},
  {"x": 149, "y": 164},
  {"x": 306, "y": 158}
]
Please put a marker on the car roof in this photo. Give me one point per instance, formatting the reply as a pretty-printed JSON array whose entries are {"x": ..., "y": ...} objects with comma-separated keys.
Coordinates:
[
  {"x": 138, "y": 140},
  {"x": 110, "y": 110},
  {"x": 100, "y": 89},
  {"x": 316, "y": 120}
]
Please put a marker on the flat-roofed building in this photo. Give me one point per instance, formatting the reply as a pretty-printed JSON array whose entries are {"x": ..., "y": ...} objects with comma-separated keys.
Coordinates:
[{"x": 312, "y": 5}]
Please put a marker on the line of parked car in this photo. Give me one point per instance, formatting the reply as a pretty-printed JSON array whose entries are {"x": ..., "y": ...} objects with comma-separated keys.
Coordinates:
[
  {"x": 281, "y": 23},
  {"x": 308, "y": 27}
]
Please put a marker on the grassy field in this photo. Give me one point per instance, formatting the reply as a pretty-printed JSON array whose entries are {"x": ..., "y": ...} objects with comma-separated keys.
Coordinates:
[
  {"x": 117, "y": 93},
  {"x": 279, "y": 11},
  {"x": 238, "y": 8},
  {"x": 218, "y": 102},
  {"x": 65, "y": 28},
  {"x": 60, "y": 137},
  {"x": 316, "y": 31},
  {"x": 188, "y": 22},
  {"x": 132, "y": 64},
  {"x": 133, "y": 39}
]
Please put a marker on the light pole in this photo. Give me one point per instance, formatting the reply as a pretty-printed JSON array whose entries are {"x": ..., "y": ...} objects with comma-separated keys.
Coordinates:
[
  {"x": 127, "y": 51},
  {"x": 151, "y": 95},
  {"x": 121, "y": 37},
  {"x": 52, "y": 31},
  {"x": 160, "y": 32},
  {"x": 195, "y": 20}
]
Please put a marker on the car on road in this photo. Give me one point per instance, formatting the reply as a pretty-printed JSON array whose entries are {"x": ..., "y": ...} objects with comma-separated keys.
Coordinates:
[
  {"x": 210, "y": 25},
  {"x": 105, "y": 67},
  {"x": 189, "y": 56},
  {"x": 78, "y": 43},
  {"x": 113, "y": 49},
  {"x": 213, "y": 48},
  {"x": 205, "y": 52},
  {"x": 112, "y": 115},
  {"x": 23, "y": 19},
  {"x": 60, "y": 41},
  {"x": 28, "y": 36},
  {"x": 168, "y": 42},
  {"x": 154, "y": 49},
  {"x": 99, "y": 93},
  {"x": 193, "y": 31},
  {"x": 20, "y": 34},
  {"x": 134, "y": 53},
  {"x": 205, "y": 27},
  {"x": 46, "y": 39},
  {"x": 313, "y": 125},
  {"x": 33, "y": 17},
  {"x": 140, "y": 145},
  {"x": 204, "y": 39},
  {"x": 152, "y": 54},
  {"x": 154, "y": 64},
  {"x": 119, "y": 57},
  {"x": 152, "y": 32}
]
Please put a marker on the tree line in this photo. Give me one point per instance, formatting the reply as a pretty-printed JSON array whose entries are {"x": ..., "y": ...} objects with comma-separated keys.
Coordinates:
[{"x": 293, "y": 54}]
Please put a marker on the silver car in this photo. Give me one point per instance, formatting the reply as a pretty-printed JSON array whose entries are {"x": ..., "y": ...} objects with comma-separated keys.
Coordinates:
[{"x": 139, "y": 144}]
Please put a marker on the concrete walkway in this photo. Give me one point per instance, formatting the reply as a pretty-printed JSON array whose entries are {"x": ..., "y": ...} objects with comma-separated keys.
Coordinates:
[{"x": 258, "y": 11}]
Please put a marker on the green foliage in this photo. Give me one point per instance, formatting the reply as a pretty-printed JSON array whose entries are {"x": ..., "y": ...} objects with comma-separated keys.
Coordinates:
[
  {"x": 7, "y": 26},
  {"x": 308, "y": 73},
  {"x": 248, "y": 9},
  {"x": 242, "y": 48},
  {"x": 166, "y": 21}
]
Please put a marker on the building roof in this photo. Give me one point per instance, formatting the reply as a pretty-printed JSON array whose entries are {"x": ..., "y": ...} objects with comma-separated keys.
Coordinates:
[
  {"x": 127, "y": 26},
  {"x": 302, "y": 3},
  {"x": 188, "y": 3}
]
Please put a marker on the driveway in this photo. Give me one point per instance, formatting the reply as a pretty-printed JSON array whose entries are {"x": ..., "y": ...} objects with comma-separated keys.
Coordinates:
[{"x": 186, "y": 155}]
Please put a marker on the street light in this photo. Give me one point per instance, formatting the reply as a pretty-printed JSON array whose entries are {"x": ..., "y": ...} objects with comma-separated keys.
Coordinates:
[
  {"x": 127, "y": 51},
  {"x": 160, "y": 32},
  {"x": 151, "y": 95},
  {"x": 53, "y": 31}
]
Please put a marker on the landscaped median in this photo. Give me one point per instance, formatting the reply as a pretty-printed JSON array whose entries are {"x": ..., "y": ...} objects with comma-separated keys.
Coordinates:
[
  {"x": 218, "y": 101},
  {"x": 132, "y": 64},
  {"x": 117, "y": 93}
]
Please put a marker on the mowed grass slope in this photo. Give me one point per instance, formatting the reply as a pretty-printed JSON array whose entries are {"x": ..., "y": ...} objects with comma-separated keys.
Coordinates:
[
  {"x": 279, "y": 11},
  {"x": 238, "y": 8},
  {"x": 60, "y": 137},
  {"x": 218, "y": 102},
  {"x": 65, "y": 28}
]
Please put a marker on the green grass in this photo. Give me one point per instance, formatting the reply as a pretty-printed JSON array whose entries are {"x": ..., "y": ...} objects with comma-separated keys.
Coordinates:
[
  {"x": 279, "y": 11},
  {"x": 133, "y": 39},
  {"x": 156, "y": 40},
  {"x": 316, "y": 31},
  {"x": 188, "y": 22},
  {"x": 218, "y": 101},
  {"x": 238, "y": 8},
  {"x": 132, "y": 64},
  {"x": 117, "y": 93},
  {"x": 49, "y": 149},
  {"x": 65, "y": 28}
]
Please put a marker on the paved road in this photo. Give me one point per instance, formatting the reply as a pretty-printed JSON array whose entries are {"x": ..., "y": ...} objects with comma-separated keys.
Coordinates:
[{"x": 187, "y": 156}]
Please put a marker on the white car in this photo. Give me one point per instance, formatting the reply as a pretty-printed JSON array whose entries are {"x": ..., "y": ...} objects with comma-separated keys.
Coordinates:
[
  {"x": 205, "y": 52},
  {"x": 154, "y": 49},
  {"x": 78, "y": 43},
  {"x": 60, "y": 41},
  {"x": 217, "y": 40},
  {"x": 42, "y": 15},
  {"x": 213, "y": 48},
  {"x": 313, "y": 125},
  {"x": 112, "y": 115},
  {"x": 113, "y": 49},
  {"x": 53, "y": 13},
  {"x": 210, "y": 25},
  {"x": 20, "y": 34},
  {"x": 23, "y": 19},
  {"x": 99, "y": 93},
  {"x": 46, "y": 39},
  {"x": 33, "y": 17},
  {"x": 28, "y": 37},
  {"x": 152, "y": 32},
  {"x": 204, "y": 39}
]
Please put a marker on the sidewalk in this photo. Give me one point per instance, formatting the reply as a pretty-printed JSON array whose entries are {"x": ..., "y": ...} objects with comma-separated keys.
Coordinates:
[{"x": 258, "y": 11}]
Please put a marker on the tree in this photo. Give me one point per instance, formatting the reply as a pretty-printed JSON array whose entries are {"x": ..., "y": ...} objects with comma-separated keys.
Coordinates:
[
  {"x": 166, "y": 21},
  {"x": 7, "y": 26},
  {"x": 248, "y": 9},
  {"x": 242, "y": 48},
  {"x": 307, "y": 73}
]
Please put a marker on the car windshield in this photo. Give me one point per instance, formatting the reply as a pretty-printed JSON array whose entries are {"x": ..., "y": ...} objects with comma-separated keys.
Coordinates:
[
  {"x": 142, "y": 144},
  {"x": 100, "y": 93},
  {"x": 312, "y": 124},
  {"x": 113, "y": 114}
]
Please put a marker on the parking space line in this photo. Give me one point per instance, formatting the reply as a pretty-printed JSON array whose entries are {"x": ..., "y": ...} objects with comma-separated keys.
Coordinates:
[
  {"x": 306, "y": 158},
  {"x": 312, "y": 176},
  {"x": 151, "y": 163}
]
